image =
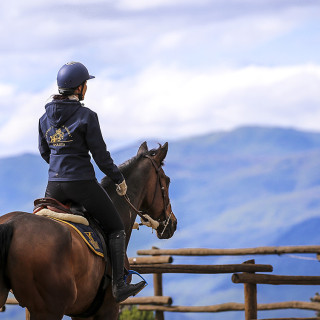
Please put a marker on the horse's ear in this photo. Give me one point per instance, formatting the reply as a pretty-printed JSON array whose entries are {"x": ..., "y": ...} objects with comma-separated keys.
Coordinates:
[
  {"x": 161, "y": 153},
  {"x": 143, "y": 149}
]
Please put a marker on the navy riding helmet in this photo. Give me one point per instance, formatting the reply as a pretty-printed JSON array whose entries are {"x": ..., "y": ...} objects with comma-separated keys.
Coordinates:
[{"x": 71, "y": 75}]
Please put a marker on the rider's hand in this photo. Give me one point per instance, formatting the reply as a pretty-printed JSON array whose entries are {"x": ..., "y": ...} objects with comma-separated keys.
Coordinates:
[{"x": 121, "y": 188}]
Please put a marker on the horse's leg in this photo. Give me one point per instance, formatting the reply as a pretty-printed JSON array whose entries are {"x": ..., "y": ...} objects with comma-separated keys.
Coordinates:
[
  {"x": 44, "y": 316},
  {"x": 4, "y": 291},
  {"x": 6, "y": 233},
  {"x": 108, "y": 311}
]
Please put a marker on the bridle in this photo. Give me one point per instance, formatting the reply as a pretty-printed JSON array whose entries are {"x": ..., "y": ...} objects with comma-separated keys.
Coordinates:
[{"x": 144, "y": 213}]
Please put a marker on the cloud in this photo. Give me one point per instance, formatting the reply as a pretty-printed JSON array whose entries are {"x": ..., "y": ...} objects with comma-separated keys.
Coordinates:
[
  {"x": 167, "y": 102},
  {"x": 145, "y": 4},
  {"x": 164, "y": 68},
  {"x": 20, "y": 113},
  {"x": 62, "y": 25}
]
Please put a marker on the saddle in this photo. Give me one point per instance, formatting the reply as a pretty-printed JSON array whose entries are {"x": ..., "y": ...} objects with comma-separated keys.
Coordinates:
[
  {"x": 51, "y": 204},
  {"x": 57, "y": 206},
  {"x": 52, "y": 208}
]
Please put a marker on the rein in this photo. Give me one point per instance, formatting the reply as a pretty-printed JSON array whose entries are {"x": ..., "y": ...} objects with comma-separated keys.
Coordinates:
[
  {"x": 139, "y": 213},
  {"x": 145, "y": 218}
]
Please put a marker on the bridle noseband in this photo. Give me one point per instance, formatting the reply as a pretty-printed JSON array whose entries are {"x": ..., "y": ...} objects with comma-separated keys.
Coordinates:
[{"x": 142, "y": 214}]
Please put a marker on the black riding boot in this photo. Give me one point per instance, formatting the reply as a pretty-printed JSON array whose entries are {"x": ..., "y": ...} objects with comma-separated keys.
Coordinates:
[{"x": 120, "y": 290}]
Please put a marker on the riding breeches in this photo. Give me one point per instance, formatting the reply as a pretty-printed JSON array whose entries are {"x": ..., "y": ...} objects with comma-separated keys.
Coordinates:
[{"x": 92, "y": 196}]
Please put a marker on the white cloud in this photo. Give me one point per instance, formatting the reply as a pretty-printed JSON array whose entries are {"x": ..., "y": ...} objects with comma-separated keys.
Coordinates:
[
  {"x": 19, "y": 128},
  {"x": 164, "y": 68},
  {"x": 169, "y": 40},
  {"x": 6, "y": 90},
  {"x": 167, "y": 103},
  {"x": 145, "y": 4}
]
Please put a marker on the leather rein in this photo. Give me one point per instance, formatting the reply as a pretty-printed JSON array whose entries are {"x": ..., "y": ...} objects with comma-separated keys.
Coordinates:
[{"x": 142, "y": 214}]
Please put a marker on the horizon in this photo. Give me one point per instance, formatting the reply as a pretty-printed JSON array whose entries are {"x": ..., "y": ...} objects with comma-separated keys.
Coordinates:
[{"x": 153, "y": 141}]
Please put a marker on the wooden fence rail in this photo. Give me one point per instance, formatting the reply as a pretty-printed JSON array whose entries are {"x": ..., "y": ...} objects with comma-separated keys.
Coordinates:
[
  {"x": 234, "y": 306},
  {"x": 275, "y": 279},
  {"x": 290, "y": 319},
  {"x": 155, "y": 300},
  {"x": 149, "y": 260},
  {"x": 231, "y": 252},
  {"x": 159, "y": 300},
  {"x": 203, "y": 269}
]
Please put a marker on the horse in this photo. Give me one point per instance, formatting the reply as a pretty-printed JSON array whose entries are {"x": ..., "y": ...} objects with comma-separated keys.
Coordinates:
[{"x": 49, "y": 268}]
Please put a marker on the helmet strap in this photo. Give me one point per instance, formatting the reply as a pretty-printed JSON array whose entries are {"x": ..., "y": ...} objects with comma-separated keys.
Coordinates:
[{"x": 80, "y": 95}]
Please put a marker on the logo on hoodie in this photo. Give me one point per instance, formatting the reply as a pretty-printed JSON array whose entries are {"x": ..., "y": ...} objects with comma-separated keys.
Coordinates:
[{"x": 59, "y": 136}]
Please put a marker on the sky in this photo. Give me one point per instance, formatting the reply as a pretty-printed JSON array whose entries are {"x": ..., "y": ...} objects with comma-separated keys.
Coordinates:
[{"x": 165, "y": 69}]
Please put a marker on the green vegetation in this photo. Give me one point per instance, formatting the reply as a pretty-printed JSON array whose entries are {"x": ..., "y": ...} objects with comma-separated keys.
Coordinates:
[{"x": 132, "y": 313}]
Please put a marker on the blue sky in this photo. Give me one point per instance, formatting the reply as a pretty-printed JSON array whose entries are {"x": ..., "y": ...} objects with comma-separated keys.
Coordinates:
[{"x": 165, "y": 69}]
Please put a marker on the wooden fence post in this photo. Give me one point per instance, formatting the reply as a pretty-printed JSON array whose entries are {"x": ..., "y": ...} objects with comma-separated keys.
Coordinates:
[
  {"x": 158, "y": 290},
  {"x": 250, "y": 298}
]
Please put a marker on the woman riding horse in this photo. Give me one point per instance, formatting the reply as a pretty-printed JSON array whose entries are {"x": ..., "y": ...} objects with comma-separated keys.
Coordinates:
[{"x": 68, "y": 131}]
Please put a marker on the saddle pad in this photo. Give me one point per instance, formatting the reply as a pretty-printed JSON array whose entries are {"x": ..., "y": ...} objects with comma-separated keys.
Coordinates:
[
  {"x": 88, "y": 234},
  {"x": 62, "y": 216}
]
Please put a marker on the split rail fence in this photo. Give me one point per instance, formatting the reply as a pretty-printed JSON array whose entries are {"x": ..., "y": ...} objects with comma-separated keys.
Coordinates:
[
  {"x": 239, "y": 275},
  {"x": 159, "y": 261}
]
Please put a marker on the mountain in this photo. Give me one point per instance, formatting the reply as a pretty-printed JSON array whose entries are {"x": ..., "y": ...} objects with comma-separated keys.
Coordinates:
[{"x": 252, "y": 186}]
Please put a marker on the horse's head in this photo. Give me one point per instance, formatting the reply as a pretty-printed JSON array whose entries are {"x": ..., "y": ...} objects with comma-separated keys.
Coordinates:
[{"x": 156, "y": 201}]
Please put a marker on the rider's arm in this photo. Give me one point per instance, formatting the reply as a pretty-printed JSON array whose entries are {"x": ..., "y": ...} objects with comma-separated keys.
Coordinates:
[{"x": 99, "y": 150}]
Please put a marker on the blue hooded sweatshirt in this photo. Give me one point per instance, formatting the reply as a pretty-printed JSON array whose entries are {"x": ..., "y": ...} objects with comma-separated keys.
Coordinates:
[{"x": 68, "y": 131}]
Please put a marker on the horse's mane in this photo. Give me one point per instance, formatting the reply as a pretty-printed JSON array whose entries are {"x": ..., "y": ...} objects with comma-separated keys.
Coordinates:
[
  {"x": 125, "y": 168},
  {"x": 130, "y": 164}
]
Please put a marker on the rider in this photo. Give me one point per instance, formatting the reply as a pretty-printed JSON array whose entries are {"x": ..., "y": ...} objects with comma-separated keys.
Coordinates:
[{"x": 68, "y": 131}]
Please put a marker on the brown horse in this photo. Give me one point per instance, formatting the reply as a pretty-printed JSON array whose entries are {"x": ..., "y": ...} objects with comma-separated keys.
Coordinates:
[{"x": 52, "y": 272}]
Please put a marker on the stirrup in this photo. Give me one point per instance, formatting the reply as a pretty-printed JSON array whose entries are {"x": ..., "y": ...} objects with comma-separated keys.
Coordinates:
[{"x": 130, "y": 272}]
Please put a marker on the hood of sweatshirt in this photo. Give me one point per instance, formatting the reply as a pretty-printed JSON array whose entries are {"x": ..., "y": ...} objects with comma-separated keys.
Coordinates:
[{"x": 59, "y": 111}]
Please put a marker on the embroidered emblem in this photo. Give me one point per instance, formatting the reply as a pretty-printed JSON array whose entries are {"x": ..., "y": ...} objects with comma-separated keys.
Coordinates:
[
  {"x": 92, "y": 241},
  {"x": 58, "y": 136}
]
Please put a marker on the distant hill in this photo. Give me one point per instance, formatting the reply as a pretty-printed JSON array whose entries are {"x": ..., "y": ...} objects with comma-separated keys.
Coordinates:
[
  {"x": 22, "y": 179},
  {"x": 253, "y": 186}
]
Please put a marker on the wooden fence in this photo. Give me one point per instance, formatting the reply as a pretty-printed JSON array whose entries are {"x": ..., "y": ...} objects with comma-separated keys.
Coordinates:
[
  {"x": 159, "y": 261},
  {"x": 248, "y": 276},
  {"x": 158, "y": 269}
]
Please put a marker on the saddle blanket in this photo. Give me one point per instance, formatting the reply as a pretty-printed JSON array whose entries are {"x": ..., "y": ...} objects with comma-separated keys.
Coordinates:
[{"x": 88, "y": 234}]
